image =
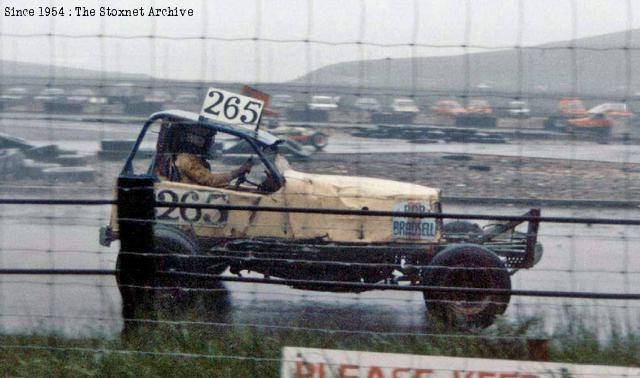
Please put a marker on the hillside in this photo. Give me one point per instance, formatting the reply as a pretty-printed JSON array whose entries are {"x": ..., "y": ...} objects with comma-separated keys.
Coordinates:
[
  {"x": 599, "y": 65},
  {"x": 15, "y": 69}
]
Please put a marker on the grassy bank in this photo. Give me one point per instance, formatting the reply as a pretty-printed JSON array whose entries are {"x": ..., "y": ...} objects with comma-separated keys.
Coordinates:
[{"x": 237, "y": 351}]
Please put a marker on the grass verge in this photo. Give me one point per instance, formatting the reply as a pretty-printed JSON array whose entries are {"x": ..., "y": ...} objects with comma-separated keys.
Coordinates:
[{"x": 162, "y": 349}]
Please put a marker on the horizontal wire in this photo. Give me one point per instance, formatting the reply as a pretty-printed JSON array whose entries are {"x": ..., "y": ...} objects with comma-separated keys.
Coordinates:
[
  {"x": 131, "y": 352},
  {"x": 422, "y": 288},
  {"x": 331, "y": 211},
  {"x": 272, "y": 326},
  {"x": 294, "y": 260},
  {"x": 306, "y": 296},
  {"x": 345, "y": 284},
  {"x": 316, "y": 41},
  {"x": 279, "y": 360}
]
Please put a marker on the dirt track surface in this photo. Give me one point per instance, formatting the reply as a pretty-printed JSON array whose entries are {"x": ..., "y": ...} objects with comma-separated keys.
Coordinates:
[
  {"x": 491, "y": 176},
  {"x": 456, "y": 175}
]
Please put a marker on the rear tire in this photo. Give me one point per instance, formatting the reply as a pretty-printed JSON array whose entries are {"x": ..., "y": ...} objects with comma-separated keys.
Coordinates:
[
  {"x": 478, "y": 267},
  {"x": 175, "y": 251},
  {"x": 319, "y": 140}
]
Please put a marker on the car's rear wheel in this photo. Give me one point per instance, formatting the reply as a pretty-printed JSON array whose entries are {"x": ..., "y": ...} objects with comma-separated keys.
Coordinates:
[
  {"x": 170, "y": 287},
  {"x": 466, "y": 266},
  {"x": 319, "y": 140}
]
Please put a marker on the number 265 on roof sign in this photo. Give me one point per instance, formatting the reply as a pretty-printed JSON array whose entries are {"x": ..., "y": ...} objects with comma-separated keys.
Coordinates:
[{"x": 228, "y": 107}]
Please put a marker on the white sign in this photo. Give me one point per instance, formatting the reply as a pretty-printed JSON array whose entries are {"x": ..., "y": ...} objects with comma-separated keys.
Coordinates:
[
  {"x": 412, "y": 228},
  {"x": 228, "y": 107},
  {"x": 329, "y": 363}
]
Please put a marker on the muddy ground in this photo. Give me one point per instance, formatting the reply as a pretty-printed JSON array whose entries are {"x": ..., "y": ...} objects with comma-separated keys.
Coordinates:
[
  {"x": 492, "y": 176},
  {"x": 456, "y": 175}
]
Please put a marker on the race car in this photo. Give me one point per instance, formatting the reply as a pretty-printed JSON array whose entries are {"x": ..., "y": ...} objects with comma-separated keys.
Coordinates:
[
  {"x": 318, "y": 249},
  {"x": 302, "y": 135},
  {"x": 597, "y": 125}
]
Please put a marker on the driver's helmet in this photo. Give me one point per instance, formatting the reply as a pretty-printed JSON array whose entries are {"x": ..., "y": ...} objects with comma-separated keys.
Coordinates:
[{"x": 191, "y": 139}]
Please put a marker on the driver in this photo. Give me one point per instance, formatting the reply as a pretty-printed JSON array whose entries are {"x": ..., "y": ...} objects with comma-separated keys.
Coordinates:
[{"x": 189, "y": 165}]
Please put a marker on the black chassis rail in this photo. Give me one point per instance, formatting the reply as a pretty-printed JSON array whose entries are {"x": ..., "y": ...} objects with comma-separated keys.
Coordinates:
[{"x": 272, "y": 254}]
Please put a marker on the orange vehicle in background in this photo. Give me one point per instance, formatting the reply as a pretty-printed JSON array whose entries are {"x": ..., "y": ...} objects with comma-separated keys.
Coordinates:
[
  {"x": 448, "y": 108},
  {"x": 571, "y": 107},
  {"x": 478, "y": 113},
  {"x": 597, "y": 125},
  {"x": 479, "y": 107},
  {"x": 568, "y": 108},
  {"x": 574, "y": 118}
]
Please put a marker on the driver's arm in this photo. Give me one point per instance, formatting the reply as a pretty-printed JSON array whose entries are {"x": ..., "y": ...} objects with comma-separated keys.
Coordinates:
[{"x": 191, "y": 167}]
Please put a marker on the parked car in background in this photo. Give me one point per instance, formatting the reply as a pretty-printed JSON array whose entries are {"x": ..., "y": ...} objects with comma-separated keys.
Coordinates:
[
  {"x": 282, "y": 102},
  {"x": 325, "y": 103},
  {"x": 367, "y": 104},
  {"x": 478, "y": 106},
  {"x": 187, "y": 97},
  {"x": 85, "y": 96},
  {"x": 518, "y": 109},
  {"x": 478, "y": 113},
  {"x": 158, "y": 96},
  {"x": 13, "y": 96},
  {"x": 568, "y": 108},
  {"x": 123, "y": 93},
  {"x": 448, "y": 108},
  {"x": 404, "y": 105},
  {"x": 49, "y": 94},
  {"x": 402, "y": 110}
]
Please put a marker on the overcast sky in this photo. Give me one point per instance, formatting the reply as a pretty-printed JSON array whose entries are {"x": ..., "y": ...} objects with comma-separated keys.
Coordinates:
[{"x": 282, "y": 23}]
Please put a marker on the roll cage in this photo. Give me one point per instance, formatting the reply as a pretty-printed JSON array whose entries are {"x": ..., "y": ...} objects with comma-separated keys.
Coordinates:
[{"x": 260, "y": 141}]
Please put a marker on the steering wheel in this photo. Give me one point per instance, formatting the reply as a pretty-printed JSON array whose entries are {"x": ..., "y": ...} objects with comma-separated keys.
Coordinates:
[{"x": 242, "y": 178}]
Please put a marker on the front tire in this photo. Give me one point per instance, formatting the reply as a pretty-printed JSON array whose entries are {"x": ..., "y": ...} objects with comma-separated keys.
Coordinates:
[{"x": 466, "y": 266}]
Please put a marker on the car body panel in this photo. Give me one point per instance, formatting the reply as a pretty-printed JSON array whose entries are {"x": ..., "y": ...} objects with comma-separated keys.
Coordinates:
[
  {"x": 299, "y": 190},
  {"x": 595, "y": 121}
]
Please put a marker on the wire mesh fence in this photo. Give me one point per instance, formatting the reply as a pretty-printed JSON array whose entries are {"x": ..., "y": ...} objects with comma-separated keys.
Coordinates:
[{"x": 478, "y": 100}]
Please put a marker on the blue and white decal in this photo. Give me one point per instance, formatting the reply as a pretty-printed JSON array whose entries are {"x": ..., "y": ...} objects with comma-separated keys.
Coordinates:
[{"x": 413, "y": 228}]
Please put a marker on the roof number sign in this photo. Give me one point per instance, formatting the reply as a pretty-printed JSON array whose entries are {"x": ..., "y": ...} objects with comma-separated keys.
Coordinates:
[{"x": 231, "y": 108}]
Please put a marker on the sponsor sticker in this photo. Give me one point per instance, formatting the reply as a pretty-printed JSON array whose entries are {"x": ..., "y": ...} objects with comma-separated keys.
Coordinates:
[{"x": 412, "y": 228}]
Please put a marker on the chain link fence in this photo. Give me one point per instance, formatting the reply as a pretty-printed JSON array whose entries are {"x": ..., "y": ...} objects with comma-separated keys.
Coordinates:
[{"x": 477, "y": 99}]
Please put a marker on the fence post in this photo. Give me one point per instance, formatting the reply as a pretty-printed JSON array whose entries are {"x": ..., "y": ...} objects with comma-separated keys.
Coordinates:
[{"x": 135, "y": 223}]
